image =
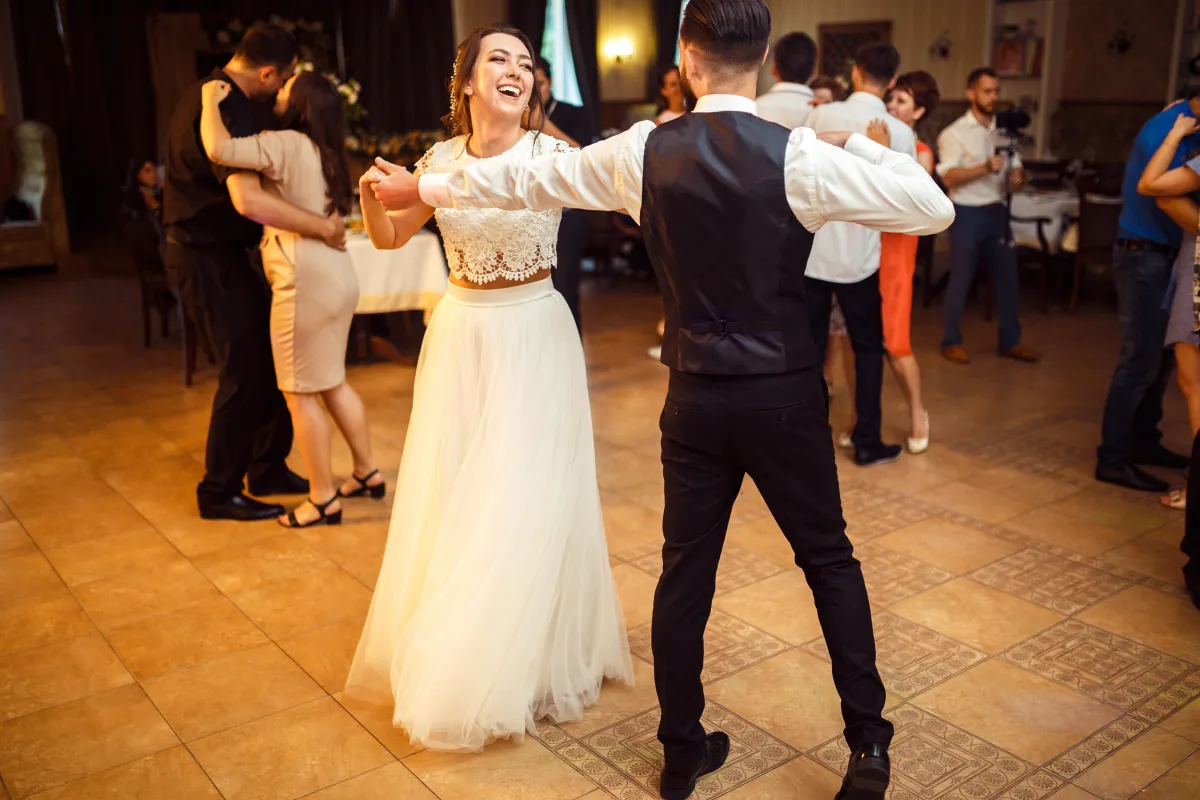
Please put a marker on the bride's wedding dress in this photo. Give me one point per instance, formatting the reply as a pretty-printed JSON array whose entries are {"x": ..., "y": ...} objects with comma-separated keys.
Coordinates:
[{"x": 495, "y": 603}]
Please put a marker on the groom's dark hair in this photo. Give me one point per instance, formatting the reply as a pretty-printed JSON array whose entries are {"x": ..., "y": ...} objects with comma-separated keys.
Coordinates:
[
  {"x": 268, "y": 45},
  {"x": 735, "y": 32}
]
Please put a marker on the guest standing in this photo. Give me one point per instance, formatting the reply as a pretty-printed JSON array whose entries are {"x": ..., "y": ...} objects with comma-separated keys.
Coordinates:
[
  {"x": 214, "y": 217},
  {"x": 789, "y": 101},
  {"x": 670, "y": 96},
  {"x": 845, "y": 256},
  {"x": 973, "y": 169},
  {"x": 570, "y": 123},
  {"x": 1147, "y": 244},
  {"x": 313, "y": 286}
]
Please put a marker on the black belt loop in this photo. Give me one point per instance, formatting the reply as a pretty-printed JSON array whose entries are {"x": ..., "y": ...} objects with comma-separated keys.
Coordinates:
[{"x": 721, "y": 328}]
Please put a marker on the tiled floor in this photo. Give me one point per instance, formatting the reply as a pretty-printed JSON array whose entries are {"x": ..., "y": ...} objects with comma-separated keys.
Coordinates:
[{"x": 1032, "y": 630}]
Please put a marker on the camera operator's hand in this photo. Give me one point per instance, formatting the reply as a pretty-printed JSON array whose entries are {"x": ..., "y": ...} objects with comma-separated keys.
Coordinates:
[
  {"x": 995, "y": 163},
  {"x": 1185, "y": 125},
  {"x": 1019, "y": 178}
]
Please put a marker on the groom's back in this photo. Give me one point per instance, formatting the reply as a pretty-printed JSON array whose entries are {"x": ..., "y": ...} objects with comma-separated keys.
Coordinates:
[{"x": 729, "y": 252}]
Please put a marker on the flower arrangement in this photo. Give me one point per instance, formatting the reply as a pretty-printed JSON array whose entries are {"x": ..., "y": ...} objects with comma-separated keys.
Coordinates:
[{"x": 354, "y": 114}]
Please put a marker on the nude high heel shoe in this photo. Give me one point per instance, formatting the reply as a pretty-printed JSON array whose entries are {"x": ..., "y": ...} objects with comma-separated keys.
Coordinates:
[{"x": 917, "y": 446}]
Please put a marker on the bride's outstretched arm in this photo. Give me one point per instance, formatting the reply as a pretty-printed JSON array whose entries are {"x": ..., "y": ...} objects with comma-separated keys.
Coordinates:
[{"x": 388, "y": 230}]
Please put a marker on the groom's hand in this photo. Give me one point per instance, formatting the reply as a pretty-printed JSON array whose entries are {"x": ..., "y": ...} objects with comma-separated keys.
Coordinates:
[
  {"x": 397, "y": 189},
  {"x": 835, "y": 138}
]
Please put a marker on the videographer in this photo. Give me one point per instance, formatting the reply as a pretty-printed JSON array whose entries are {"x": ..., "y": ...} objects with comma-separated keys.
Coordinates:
[{"x": 973, "y": 163}]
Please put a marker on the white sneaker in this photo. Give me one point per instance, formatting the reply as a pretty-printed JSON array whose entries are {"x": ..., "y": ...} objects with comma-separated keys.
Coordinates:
[{"x": 917, "y": 446}]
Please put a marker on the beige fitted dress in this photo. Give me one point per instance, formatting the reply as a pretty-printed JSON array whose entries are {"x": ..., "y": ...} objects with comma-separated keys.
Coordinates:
[{"x": 313, "y": 286}]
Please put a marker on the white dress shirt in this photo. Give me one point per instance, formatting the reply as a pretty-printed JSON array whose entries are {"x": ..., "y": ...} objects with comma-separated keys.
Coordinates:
[
  {"x": 863, "y": 183},
  {"x": 843, "y": 252},
  {"x": 786, "y": 104},
  {"x": 967, "y": 142}
]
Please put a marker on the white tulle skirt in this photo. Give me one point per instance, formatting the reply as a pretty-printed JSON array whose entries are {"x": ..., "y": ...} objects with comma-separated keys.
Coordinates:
[{"x": 495, "y": 603}]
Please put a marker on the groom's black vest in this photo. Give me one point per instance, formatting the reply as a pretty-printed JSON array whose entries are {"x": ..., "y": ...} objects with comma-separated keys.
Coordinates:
[{"x": 728, "y": 251}]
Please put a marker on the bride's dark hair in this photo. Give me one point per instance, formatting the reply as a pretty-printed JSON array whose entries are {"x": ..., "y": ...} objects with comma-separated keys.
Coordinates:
[{"x": 458, "y": 121}]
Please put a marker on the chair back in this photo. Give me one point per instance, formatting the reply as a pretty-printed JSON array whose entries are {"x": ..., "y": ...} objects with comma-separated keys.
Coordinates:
[
  {"x": 1050, "y": 174},
  {"x": 1098, "y": 224},
  {"x": 1102, "y": 177}
]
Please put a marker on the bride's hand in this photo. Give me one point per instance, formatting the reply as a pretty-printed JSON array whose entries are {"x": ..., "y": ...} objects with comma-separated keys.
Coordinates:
[
  {"x": 215, "y": 91},
  {"x": 398, "y": 189},
  {"x": 366, "y": 183}
]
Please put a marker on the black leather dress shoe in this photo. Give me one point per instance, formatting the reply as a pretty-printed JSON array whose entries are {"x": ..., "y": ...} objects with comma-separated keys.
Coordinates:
[
  {"x": 1131, "y": 477},
  {"x": 283, "y": 482},
  {"x": 868, "y": 775},
  {"x": 873, "y": 455},
  {"x": 678, "y": 784},
  {"x": 240, "y": 508},
  {"x": 1160, "y": 456}
]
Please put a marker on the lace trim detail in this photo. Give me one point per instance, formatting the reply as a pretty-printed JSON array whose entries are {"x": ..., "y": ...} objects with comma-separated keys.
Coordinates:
[{"x": 485, "y": 245}]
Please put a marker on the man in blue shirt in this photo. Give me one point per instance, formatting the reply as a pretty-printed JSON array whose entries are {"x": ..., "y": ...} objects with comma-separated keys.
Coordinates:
[{"x": 1147, "y": 242}]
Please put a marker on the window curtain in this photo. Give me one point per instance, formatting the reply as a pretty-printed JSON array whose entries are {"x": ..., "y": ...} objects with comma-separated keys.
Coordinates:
[
  {"x": 666, "y": 32},
  {"x": 530, "y": 17},
  {"x": 582, "y": 27}
]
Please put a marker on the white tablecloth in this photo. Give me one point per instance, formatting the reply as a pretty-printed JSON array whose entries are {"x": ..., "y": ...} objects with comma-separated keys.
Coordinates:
[
  {"x": 1057, "y": 206},
  {"x": 408, "y": 279}
]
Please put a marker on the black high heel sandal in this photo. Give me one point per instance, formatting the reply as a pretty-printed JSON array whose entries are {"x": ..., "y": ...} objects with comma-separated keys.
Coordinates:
[
  {"x": 376, "y": 492},
  {"x": 325, "y": 519}
]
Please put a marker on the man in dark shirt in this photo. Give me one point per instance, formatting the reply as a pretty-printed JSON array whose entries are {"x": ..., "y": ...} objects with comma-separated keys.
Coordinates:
[
  {"x": 573, "y": 231},
  {"x": 1147, "y": 243},
  {"x": 213, "y": 217}
]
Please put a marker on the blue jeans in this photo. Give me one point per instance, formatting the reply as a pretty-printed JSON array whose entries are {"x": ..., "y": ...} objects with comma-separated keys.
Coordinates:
[
  {"x": 1134, "y": 406},
  {"x": 978, "y": 231}
]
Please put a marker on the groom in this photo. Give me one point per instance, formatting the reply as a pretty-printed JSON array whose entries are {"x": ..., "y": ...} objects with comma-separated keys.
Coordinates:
[{"x": 728, "y": 204}]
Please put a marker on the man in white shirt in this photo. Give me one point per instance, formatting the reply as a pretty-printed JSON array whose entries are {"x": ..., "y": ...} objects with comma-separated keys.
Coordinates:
[
  {"x": 790, "y": 101},
  {"x": 728, "y": 204},
  {"x": 845, "y": 257},
  {"x": 974, "y": 171}
]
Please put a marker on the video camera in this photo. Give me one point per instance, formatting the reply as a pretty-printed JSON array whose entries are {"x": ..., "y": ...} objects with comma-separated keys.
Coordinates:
[{"x": 1012, "y": 121}]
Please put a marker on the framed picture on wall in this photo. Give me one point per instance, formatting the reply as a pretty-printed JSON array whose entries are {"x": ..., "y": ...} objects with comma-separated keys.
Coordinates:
[{"x": 1009, "y": 57}]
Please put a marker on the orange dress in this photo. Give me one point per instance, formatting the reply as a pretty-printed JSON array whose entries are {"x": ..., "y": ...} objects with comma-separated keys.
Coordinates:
[{"x": 897, "y": 264}]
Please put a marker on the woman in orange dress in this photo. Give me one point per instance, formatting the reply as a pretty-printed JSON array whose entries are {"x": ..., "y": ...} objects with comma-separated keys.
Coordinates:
[{"x": 914, "y": 95}]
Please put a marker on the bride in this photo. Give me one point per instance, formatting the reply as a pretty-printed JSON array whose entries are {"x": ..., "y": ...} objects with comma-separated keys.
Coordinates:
[{"x": 495, "y": 603}]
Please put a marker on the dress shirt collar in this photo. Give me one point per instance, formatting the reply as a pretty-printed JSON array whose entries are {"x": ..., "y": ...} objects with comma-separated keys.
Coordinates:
[
  {"x": 725, "y": 102},
  {"x": 969, "y": 118},
  {"x": 868, "y": 99},
  {"x": 786, "y": 87}
]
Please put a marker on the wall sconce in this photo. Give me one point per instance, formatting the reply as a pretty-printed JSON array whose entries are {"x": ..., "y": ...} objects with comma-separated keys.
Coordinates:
[
  {"x": 618, "y": 49},
  {"x": 940, "y": 49},
  {"x": 1121, "y": 42}
]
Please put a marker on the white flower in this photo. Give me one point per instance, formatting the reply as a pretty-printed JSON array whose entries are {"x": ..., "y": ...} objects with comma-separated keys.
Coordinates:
[
  {"x": 304, "y": 66},
  {"x": 352, "y": 143},
  {"x": 352, "y": 98}
]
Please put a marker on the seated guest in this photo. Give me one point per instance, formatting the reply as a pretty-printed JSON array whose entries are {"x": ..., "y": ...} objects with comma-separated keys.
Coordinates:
[
  {"x": 1147, "y": 243},
  {"x": 670, "y": 96},
  {"x": 141, "y": 204},
  {"x": 789, "y": 101}
]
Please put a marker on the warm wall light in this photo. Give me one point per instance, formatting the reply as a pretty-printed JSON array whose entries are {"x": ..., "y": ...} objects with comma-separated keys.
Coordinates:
[{"x": 618, "y": 49}]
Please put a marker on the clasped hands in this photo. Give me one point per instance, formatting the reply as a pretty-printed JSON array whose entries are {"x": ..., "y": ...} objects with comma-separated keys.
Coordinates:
[{"x": 393, "y": 186}]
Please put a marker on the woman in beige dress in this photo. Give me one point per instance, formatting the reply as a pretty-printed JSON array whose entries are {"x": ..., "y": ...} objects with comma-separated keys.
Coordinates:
[{"x": 314, "y": 288}]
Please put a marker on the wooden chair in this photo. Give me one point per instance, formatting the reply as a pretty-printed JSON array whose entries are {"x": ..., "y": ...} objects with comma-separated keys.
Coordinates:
[
  {"x": 44, "y": 240},
  {"x": 1098, "y": 223},
  {"x": 1046, "y": 175}
]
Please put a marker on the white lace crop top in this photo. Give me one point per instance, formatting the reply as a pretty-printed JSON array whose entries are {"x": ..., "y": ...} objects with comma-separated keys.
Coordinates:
[{"x": 483, "y": 245}]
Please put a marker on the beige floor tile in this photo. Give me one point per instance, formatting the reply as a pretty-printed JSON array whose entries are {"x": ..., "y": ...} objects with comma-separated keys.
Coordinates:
[
  {"x": 1151, "y": 556},
  {"x": 1025, "y": 714},
  {"x": 230, "y": 690},
  {"x": 291, "y": 607},
  {"x": 58, "y": 673},
  {"x": 355, "y": 539},
  {"x": 1070, "y": 792},
  {"x": 1136, "y": 765},
  {"x": 803, "y": 707},
  {"x": 281, "y": 558},
  {"x": 1148, "y": 616},
  {"x": 985, "y": 505},
  {"x": 628, "y": 524},
  {"x": 781, "y": 606},
  {"x": 373, "y": 707},
  {"x": 194, "y": 536},
  {"x": 764, "y": 538},
  {"x": 977, "y": 615},
  {"x": 1106, "y": 507},
  {"x": 636, "y": 590},
  {"x": 135, "y": 596},
  {"x": 947, "y": 545},
  {"x": 503, "y": 771},
  {"x": 1035, "y": 489},
  {"x": 364, "y": 569},
  {"x": 325, "y": 653},
  {"x": 1185, "y": 722},
  {"x": 27, "y": 575},
  {"x": 170, "y": 774},
  {"x": 13, "y": 539},
  {"x": 185, "y": 637},
  {"x": 1179, "y": 783},
  {"x": 798, "y": 778},
  {"x": 94, "y": 559},
  {"x": 617, "y": 702},
  {"x": 915, "y": 475},
  {"x": 41, "y": 621},
  {"x": 89, "y": 511},
  {"x": 62, "y": 744},
  {"x": 1069, "y": 532},
  {"x": 393, "y": 782},
  {"x": 289, "y": 754}
]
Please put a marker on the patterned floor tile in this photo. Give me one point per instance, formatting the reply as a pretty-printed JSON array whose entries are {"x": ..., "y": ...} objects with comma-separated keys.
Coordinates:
[
  {"x": 884, "y": 518},
  {"x": 892, "y": 577},
  {"x": 1102, "y": 665},
  {"x": 1030, "y": 452},
  {"x": 739, "y": 567},
  {"x": 911, "y": 658},
  {"x": 730, "y": 646},
  {"x": 1174, "y": 698},
  {"x": 933, "y": 760},
  {"x": 1097, "y": 747},
  {"x": 1058, "y": 583},
  {"x": 626, "y": 759}
]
